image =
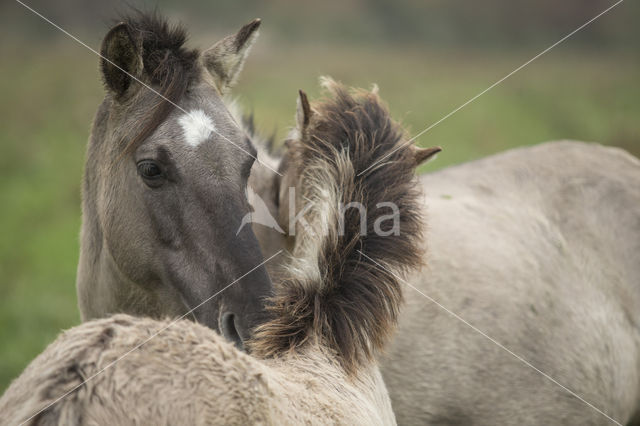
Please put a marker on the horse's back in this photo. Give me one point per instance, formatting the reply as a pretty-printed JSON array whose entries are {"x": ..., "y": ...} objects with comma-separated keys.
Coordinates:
[
  {"x": 540, "y": 249},
  {"x": 585, "y": 196}
]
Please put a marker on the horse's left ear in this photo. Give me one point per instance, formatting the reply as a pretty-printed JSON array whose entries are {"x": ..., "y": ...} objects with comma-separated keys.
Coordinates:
[
  {"x": 225, "y": 59},
  {"x": 423, "y": 155},
  {"x": 303, "y": 111}
]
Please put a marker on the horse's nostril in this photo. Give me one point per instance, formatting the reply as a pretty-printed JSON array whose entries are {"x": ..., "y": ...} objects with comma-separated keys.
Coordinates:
[{"x": 229, "y": 330}]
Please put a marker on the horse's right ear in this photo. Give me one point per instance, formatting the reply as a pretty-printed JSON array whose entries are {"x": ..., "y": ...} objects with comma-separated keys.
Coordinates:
[
  {"x": 225, "y": 59},
  {"x": 424, "y": 155},
  {"x": 120, "y": 60}
]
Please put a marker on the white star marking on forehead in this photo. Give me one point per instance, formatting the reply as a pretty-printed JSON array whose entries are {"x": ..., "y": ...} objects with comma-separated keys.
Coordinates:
[{"x": 197, "y": 127}]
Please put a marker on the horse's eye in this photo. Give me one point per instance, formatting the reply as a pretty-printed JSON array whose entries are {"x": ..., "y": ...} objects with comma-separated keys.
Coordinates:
[{"x": 149, "y": 170}]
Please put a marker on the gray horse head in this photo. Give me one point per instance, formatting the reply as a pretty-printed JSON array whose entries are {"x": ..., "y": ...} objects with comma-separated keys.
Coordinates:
[{"x": 165, "y": 184}]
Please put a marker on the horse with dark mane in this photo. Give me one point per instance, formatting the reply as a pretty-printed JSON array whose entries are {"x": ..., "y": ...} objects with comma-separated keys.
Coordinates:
[{"x": 165, "y": 183}]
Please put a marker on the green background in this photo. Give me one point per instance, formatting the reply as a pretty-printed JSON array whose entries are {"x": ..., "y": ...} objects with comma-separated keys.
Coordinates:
[{"x": 427, "y": 58}]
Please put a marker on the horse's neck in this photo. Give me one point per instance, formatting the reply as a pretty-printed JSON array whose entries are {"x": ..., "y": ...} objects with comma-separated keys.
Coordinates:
[
  {"x": 94, "y": 276},
  {"x": 91, "y": 269}
]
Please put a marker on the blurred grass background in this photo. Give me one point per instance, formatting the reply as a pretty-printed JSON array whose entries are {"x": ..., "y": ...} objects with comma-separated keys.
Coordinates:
[{"x": 427, "y": 57}]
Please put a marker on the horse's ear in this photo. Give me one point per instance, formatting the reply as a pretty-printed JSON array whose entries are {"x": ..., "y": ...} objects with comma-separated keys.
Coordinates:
[
  {"x": 424, "y": 155},
  {"x": 120, "y": 60},
  {"x": 303, "y": 111},
  {"x": 225, "y": 59}
]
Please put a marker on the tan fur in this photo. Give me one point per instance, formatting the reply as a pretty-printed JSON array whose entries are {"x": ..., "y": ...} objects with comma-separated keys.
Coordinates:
[{"x": 186, "y": 375}]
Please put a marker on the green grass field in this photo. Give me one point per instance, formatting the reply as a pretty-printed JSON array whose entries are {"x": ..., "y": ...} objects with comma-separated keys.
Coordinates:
[{"x": 49, "y": 96}]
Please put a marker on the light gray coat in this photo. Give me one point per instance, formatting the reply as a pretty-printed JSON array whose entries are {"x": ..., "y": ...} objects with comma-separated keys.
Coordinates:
[{"x": 539, "y": 248}]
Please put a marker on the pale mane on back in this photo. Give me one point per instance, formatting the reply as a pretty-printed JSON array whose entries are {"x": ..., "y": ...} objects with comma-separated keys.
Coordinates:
[{"x": 332, "y": 293}]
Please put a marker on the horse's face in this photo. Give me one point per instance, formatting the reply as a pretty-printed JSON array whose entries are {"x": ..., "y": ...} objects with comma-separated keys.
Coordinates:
[{"x": 172, "y": 205}]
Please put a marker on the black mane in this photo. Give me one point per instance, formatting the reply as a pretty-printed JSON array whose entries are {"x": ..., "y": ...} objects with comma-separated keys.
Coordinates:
[
  {"x": 168, "y": 66},
  {"x": 163, "y": 50}
]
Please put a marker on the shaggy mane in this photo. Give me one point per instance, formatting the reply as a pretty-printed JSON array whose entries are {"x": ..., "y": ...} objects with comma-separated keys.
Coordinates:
[
  {"x": 168, "y": 66},
  {"x": 333, "y": 294}
]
